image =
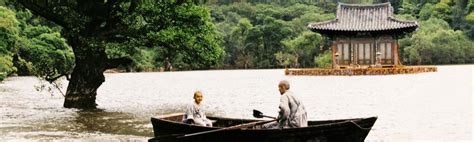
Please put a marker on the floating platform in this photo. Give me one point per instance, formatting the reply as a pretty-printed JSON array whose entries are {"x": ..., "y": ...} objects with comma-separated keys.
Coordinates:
[{"x": 361, "y": 71}]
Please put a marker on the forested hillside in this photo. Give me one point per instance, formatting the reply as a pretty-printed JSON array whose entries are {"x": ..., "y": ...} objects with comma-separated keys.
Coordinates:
[
  {"x": 268, "y": 34},
  {"x": 243, "y": 34}
]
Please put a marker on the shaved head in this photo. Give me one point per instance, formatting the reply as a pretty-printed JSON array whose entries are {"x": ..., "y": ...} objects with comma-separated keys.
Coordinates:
[
  {"x": 198, "y": 97},
  {"x": 196, "y": 93},
  {"x": 285, "y": 83},
  {"x": 283, "y": 86}
]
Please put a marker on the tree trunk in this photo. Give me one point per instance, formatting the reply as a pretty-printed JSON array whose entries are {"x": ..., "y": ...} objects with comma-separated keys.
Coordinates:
[{"x": 87, "y": 75}]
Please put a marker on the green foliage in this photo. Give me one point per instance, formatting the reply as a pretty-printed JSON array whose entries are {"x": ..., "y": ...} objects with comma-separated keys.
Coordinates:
[
  {"x": 470, "y": 18},
  {"x": 180, "y": 32},
  {"x": 299, "y": 24},
  {"x": 408, "y": 7},
  {"x": 48, "y": 54},
  {"x": 186, "y": 38},
  {"x": 470, "y": 6},
  {"x": 144, "y": 60},
  {"x": 442, "y": 10},
  {"x": 6, "y": 66},
  {"x": 285, "y": 59},
  {"x": 448, "y": 2},
  {"x": 9, "y": 28},
  {"x": 273, "y": 32},
  {"x": 255, "y": 34},
  {"x": 324, "y": 60},
  {"x": 29, "y": 48},
  {"x": 42, "y": 51},
  {"x": 406, "y": 17},
  {"x": 436, "y": 43},
  {"x": 305, "y": 47},
  {"x": 426, "y": 11},
  {"x": 239, "y": 44},
  {"x": 274, "y": 35},
  {"x": 8, "y": 21}
]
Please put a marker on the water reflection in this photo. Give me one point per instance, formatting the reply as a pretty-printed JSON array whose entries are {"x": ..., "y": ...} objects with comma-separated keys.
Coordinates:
[
  {"x": 111, "y": 122},
  {"x": 410, "y": 107},
  {"x": 30, "y": 115},
  {"x": 79, "y": 124}
]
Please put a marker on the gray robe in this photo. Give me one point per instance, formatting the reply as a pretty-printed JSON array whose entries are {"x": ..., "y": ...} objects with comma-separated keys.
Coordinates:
[
  {"x": 292, "y": 113},
  {"x": 197, "y": 114}
]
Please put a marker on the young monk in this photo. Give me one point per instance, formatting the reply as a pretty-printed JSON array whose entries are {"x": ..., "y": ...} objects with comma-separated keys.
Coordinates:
[{"x": 195, "y": 114}]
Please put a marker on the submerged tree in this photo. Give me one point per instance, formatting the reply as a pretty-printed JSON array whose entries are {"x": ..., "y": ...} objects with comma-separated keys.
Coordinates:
[{"x": 177, "y": 28}]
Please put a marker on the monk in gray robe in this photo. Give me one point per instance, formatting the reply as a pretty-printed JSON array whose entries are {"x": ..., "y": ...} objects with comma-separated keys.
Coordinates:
[
  {"x": 195, "y": 114},
  {"x": 292, "y": 113}
]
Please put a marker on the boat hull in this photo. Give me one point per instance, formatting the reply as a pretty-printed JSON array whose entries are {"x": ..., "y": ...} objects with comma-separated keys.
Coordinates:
[{"x": 344, "y": 130}]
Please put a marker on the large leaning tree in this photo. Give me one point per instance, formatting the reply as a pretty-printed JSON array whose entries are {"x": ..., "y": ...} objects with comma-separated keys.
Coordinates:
[{"x": 92, "y": 26}]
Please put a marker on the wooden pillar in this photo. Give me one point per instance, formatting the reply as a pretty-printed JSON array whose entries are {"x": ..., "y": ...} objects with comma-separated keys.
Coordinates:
[
  {"x": 395, "y": 52},
  {"x": 354, "y": 52},
  {"x": 334, "y": 51},
  {"x": 374, "y": 51}
]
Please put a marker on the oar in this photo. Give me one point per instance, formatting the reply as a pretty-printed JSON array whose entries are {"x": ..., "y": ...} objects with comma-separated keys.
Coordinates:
[
  {"x": 256, "y": 114},
  {"x": 245, "y": 125}
]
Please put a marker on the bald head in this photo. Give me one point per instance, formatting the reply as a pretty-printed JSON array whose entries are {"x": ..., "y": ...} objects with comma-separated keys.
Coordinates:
[
  {"x": 198, "y": 97},
  {"x": 283, "y": 86},
  {"x": 285, "y": 83},
  {"x": 197, "y": 93}
]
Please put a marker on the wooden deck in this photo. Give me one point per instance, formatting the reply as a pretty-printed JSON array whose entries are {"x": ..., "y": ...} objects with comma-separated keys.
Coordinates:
[{"x": 361, "y": 71}]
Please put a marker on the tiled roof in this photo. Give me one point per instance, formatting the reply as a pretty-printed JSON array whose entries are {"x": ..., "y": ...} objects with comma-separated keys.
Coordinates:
[{"x": 357, "y": 17}]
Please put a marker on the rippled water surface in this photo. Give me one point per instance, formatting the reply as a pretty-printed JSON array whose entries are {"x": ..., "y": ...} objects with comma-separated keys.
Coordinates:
[{"x": 420, "y": 107}]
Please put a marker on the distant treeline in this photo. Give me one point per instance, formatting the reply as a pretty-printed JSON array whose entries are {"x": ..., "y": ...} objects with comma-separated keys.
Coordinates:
[
  {"x": 266, "y": 34},
  {"x": 249, "y": 34}
]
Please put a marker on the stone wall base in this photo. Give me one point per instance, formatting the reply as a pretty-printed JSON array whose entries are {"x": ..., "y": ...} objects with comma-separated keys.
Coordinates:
[{"x": 361, "y": 71}]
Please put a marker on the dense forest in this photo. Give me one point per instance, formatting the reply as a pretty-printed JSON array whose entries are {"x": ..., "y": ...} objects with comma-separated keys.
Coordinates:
[{"x": 241, "y": 34}]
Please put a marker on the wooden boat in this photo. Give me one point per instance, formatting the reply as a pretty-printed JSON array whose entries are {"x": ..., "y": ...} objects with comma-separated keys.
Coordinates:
[{"x": 170, "y": 128}]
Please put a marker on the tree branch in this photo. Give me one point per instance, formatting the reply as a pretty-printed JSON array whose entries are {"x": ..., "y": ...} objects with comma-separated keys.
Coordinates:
[
  {"x": 45, "y": 12},
  {"x": 58, "y": 87},
  {"x": 52, "y": 79}
]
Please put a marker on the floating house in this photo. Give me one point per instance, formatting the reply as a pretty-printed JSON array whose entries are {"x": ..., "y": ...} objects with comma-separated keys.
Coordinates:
[
  {"x": 364, "y": 35},
  {"x": 364, "y": 42}
]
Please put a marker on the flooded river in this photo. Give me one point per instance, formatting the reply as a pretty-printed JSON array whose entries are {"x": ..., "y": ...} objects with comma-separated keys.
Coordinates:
[{"x": 418, "y": 107}]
